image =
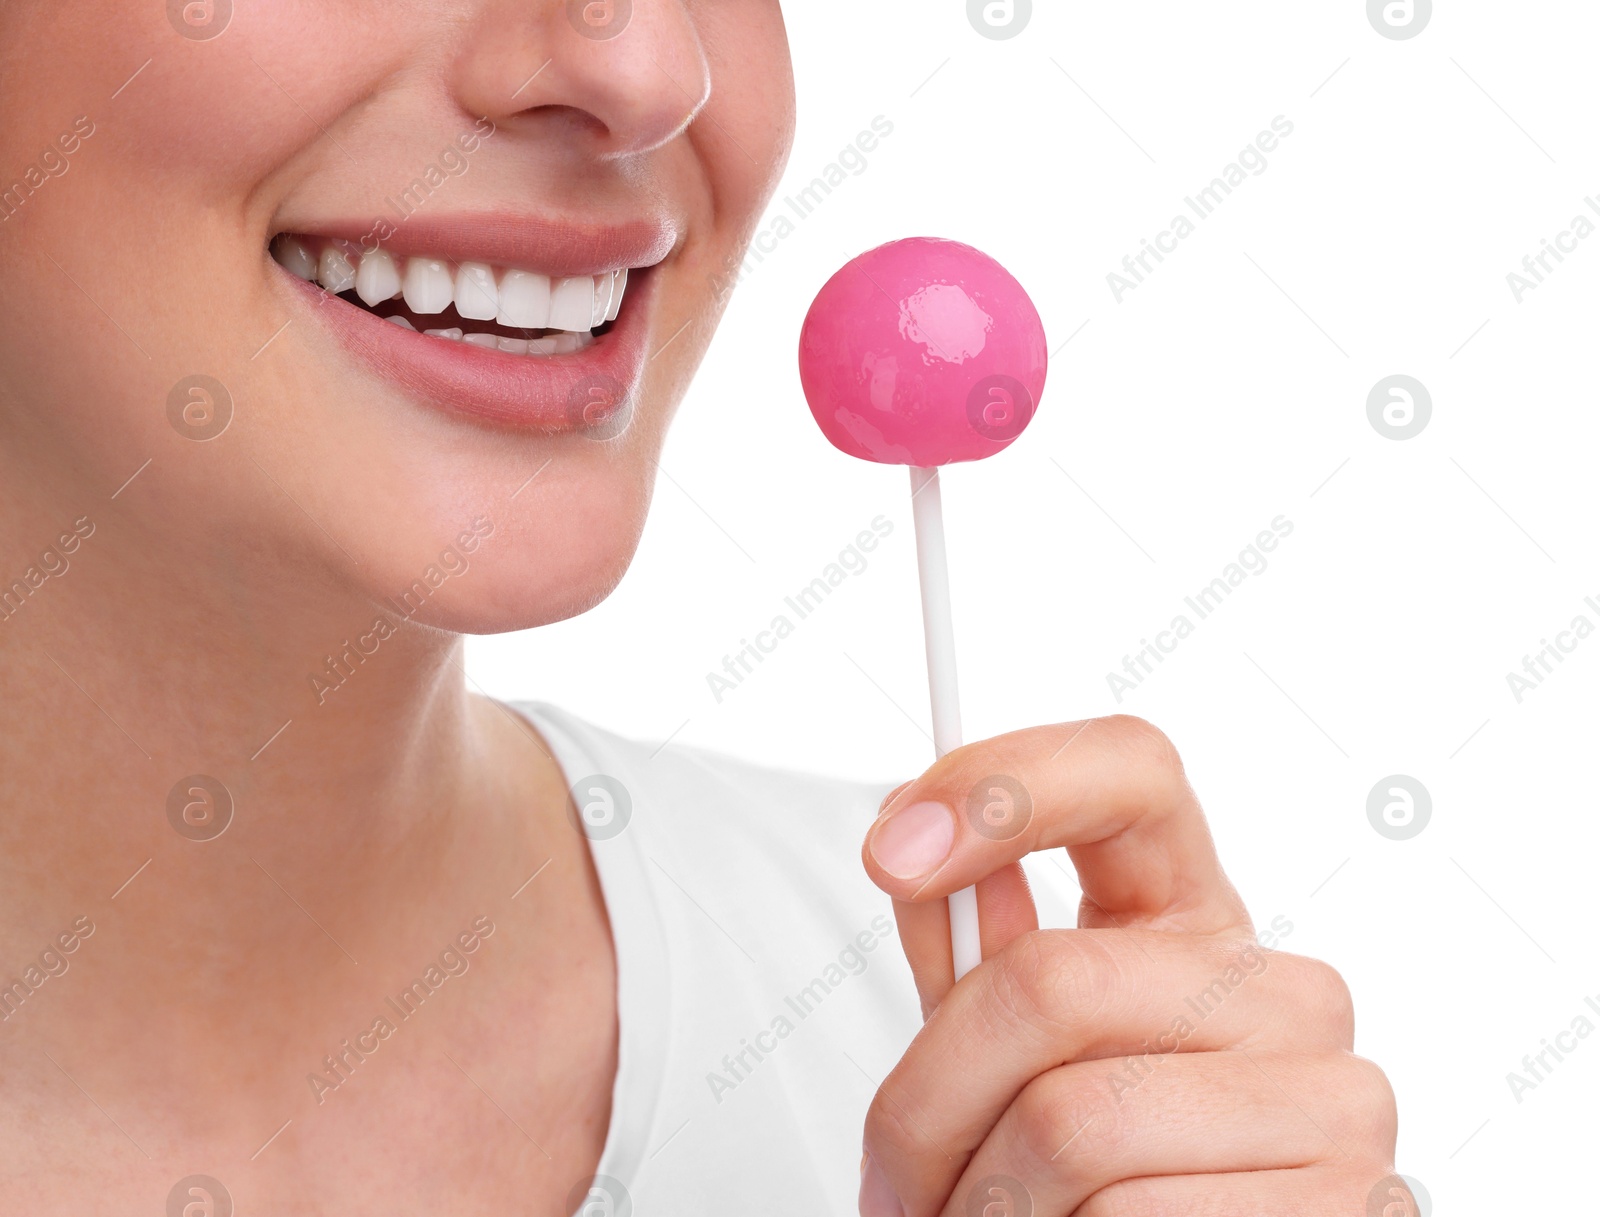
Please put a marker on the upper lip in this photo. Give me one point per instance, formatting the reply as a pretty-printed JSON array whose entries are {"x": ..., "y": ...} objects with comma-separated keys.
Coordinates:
[{"x": 504, "y": 238}]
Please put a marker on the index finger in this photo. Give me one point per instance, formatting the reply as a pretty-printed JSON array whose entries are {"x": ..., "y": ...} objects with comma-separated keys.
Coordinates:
[{"x": 1111, "y": 791}]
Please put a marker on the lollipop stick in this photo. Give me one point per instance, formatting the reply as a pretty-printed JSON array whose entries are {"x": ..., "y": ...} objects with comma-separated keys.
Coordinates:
[{"x": 939, "y": 634}]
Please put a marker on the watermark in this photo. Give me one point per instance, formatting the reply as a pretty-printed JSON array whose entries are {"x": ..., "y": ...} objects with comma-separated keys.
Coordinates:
[
  {"x": 801, "y": 205},
  {"x": 53, "y": 162},
  {"x": 1399, "y": 807},
  {"x": 738, "y": 1066},
  {"x": 1536, "y": 266},
  {"x": 52, "y": 563},
  {"x": 450, "y": 162},
  {"x": 1399, "y": 407},
  {"x": 601, "y": 405},
  {"x": 1538, "y": 1066},
  {"x": 852, "y": 560},
  {"x": 1251, "y": 162},
  {"x": 1252, "y": 961},
  {"x": 599, "y": 1196},
  {"x": 599, "y": 806},
  {"x": 1399, "y": 19},
  {"x": 339, "y": 1067},
  {"x": 999, "y": 19},
  {"x": 1399, "y": 1196},
  {"x": 452, "y": 563},
  {"x": 199, "y": 1196},
  {"x": 200, "y": 21},
  {"x": 599, "y": 20},
  {"x": 51, "y": 962},
  {"x": 1551, "y": 655},
  {"x": 998, "y": 1196},
  {"x": 999, "y": 808},
  {"x": 1252, "y": 560},
  {"x": 999, "y": 407},
  {"x": 199, "y": 407},
  {"x": 199, "y": 807}
]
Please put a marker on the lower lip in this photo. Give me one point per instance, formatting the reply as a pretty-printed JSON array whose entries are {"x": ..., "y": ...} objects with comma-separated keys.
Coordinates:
[{"x": 585, "y": 391}]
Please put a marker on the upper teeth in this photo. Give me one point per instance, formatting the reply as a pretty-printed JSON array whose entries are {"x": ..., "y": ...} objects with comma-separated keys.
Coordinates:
[{"x": 521, "y": 299}]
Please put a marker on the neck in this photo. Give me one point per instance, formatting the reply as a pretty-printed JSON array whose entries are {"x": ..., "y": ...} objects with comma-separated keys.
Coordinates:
[{"x": 365, "y": 821}]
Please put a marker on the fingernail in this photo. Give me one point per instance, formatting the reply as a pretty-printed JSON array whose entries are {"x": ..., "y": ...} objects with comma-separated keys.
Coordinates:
[
  {"x": 889, "y": 798},
  {"x": 914, "y": 841},
  {"x": 877, "y": 1197}
]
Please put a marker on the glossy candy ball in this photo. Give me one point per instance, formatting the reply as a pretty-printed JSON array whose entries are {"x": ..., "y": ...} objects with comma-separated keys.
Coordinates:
[{"x": 922, "y": 352}]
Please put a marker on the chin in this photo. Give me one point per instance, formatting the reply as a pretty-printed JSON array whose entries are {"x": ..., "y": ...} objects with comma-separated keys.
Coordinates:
[{"x": 561, "y": 554}]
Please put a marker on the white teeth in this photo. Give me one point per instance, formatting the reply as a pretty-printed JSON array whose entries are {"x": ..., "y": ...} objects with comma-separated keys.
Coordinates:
[
  {"x": 524, "y": 300},
  {"x": 550, "y": 344},
  {"x": 616, "y": 294},
  {"x": 429, "y": 286},
  {"x": 477, "y": 297},
  {"x": 402, "y": 323},
  {"x": 335, "y": 271},
  {"x": 572, "y": 303},
  {"x": 518, "y": 299},
  {"x": 291, "y": 253},
  {"x": 377, "y": 279},
  {"x": 604, "y": 285}
]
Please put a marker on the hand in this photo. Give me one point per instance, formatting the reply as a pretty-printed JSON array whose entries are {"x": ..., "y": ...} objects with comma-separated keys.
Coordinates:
[{"x": 1155, "y": 1061}]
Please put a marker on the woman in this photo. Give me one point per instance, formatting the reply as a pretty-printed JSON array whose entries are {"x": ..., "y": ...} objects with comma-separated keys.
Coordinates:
[{"x": 295, "y": 921}]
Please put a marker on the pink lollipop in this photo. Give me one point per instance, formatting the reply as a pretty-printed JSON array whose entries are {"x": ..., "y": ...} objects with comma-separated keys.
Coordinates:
[{"x": 924, "y": 353}]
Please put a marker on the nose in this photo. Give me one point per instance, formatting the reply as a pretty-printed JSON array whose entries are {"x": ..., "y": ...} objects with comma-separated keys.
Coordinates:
[{"x": 632, "y": 74}]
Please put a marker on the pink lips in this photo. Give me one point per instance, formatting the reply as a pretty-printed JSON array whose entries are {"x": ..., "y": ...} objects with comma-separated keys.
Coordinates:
[
  {"x": 552, "y": 247},
  {"x": 589, "y": 390}
]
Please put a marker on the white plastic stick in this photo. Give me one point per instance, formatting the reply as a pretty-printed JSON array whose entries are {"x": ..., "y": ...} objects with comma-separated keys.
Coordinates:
[{"x": 966, "y": 952}]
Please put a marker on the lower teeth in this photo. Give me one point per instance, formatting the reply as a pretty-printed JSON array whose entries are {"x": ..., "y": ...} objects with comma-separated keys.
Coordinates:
[{"x": 563, "y": 342}]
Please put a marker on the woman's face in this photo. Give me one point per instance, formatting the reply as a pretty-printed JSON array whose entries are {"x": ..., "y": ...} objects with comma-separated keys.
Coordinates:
[{"x": 169, "y": 176}]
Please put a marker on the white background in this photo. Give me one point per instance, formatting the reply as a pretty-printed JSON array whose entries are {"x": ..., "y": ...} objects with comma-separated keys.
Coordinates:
[{"x": 1228, "y": 389}]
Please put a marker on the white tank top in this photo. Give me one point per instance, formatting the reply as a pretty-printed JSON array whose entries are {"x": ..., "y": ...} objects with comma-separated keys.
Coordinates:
[{"x": 761, "y": 991}]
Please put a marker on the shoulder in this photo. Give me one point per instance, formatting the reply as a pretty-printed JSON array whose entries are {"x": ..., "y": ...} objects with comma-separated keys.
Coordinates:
[
  {"x": 670, "y": 790},
  {"x": 755, "y": 866}
]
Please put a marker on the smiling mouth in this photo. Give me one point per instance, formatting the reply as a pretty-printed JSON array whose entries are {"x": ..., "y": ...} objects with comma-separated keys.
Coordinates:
[{"x": 511, "y": 310}]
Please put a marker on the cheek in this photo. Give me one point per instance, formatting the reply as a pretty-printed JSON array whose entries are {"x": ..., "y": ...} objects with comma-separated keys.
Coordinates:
[
  {"x": 734, "y": 157},
  {"x": 752, "y": 101},
  {"x": 208, "y": 114},
  {"x": 120, "y": 268},
  {"x": 184, "y": 108}
]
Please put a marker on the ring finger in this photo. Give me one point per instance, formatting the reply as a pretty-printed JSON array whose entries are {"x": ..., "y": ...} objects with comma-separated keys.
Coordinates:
[{"x": 1084, "y": 1127}]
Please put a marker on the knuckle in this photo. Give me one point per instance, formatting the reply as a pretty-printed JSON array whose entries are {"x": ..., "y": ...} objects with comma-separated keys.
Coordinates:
[
  {"x": 1332, "y": 1008},
  {"x": 891, "y": 1132},
  {"x": 1066, "y": 1122},
  {"x": 1369, "y": 1114},
  {"x": 1145, "y": 736},
  {"x": 1052, "y": 977},
  {"x": 1148, "y": 746}
]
